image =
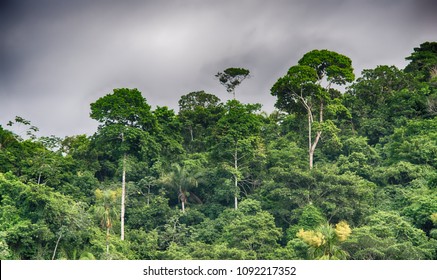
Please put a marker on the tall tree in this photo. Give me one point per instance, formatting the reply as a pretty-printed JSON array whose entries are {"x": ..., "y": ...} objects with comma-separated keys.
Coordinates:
[
  {"x": 232, "y": 77},
  {"x": 306, "y": 89},
  {"x": 124, "y": 115},
  {"x": 237, "y": 139}
]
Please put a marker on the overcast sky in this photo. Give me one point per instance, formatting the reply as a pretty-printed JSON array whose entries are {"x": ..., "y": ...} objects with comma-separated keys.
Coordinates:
[{"x": 57, "y": 57}]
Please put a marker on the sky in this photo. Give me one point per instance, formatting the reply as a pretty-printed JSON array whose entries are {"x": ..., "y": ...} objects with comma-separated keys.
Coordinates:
[{"x": 57, "y": 57}]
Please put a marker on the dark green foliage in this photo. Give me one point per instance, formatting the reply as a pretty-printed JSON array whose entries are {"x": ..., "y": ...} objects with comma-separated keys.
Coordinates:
[
  {"x": 199, "y": 112},
  {"x": 423, "y": 61},
  {"x": 232, "y": 77},
  {"x": 386, "y": 235}
]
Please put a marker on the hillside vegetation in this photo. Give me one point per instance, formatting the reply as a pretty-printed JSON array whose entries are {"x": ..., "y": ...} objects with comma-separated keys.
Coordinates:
[{"x": 328, "y": 175}]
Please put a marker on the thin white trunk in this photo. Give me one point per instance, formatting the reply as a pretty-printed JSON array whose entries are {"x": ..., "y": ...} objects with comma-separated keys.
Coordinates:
[
  {"x": 56, "y": 247},
  {"x": 123, "y": 196},
  {"x": 311, "y": 154},
  {"x": 236, "y": 175},
  {"x": 312, "y": 145},
  {"x": 148, "y": 195},
  {"x": 39, "y": 178},
  {"x": 236, "y": 202},
  {"x": 107, "y": 241},
  {"x": 191, "y": 133},
  {"x": 182, "y": 198}
]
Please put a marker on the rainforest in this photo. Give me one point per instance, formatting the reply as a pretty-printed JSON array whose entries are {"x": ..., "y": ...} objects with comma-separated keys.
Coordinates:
[{"x": 344, "y": 168}]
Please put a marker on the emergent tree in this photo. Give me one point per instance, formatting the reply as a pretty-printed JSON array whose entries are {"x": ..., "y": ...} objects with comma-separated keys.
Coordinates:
[
  {"x": 126, "y": 117},
  {"x": 306, "y": 89},
  {"x": 232, "y": 77}
]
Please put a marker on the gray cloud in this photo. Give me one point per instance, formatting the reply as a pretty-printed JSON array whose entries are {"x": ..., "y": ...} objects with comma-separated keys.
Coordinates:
[{"x": 59, "y": 56}]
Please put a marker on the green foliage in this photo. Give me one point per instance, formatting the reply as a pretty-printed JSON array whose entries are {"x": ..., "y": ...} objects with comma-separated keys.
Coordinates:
[
  {"x": 384, "y": 98},
  {"x": 376, "y": 168},
  {"x": 415, "y": 142},
  {"x": 423, "y": 60},
  {"x": 199, "y": 112},
  {"x": 35, "y": 218},
  {"x": 254, "y": 230},
  {"x": 324, "y": 241},
  {"x": 125, "y": 107},
  {"x": 300, "y": 80},
  {"x": 386, "y": 235},
  {"x": 302, "y": 91}
]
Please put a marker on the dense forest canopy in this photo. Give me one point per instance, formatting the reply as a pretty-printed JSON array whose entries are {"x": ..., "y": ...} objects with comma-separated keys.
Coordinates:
[{"x": 328, "y": 175}]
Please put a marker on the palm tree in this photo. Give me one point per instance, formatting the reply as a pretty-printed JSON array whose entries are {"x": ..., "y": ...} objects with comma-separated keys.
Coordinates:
[
  {"x": 182, "y": 179},
  {"x": 106, "y": 210},
  {"x": 324, "y": 241}
]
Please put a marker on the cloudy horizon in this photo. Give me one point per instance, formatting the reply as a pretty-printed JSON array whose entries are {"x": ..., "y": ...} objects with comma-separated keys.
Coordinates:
[{"x": 57, "y": 57}]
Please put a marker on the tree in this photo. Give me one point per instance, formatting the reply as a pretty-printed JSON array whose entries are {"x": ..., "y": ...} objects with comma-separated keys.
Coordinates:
[
  {"x": 168, "y": 133},
  {"x": 423, "y": 61},
  {"x": 324, "y": 241},
  {"x": 38, "y": 221},
  {"x": 182, "y": 178},
  {"x": 383, "y": 98},
  {"x": 237, "y": 140},
  {"x": 306, "y": 89},
  {"x": 124, "y": 114},
  {"x": 30, "y": 131},
  {"x": 232, "y": 77},
  {"x": 253, "y": 229},
  {"x": 105, "y": 209},
  {"x": 415, "y": 142},
  {"x": 199, "y": 112},
  {"x": 388, "y": 236}
]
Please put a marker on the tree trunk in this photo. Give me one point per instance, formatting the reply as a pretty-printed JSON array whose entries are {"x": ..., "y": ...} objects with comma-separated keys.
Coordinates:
[
  {"x": 311, "y": 154},
  {"x": 107, "y": 241},
  {"x": 312, "y": 145},
  {"x": 123, "y": 196},
  {"x": 236, "y": 201},
  {"x": 39, "y": 177},
  {"x": 236, "y": 175},
  {"x": 56, "y": 247},
  {"x": 148, "y": 195},
  {"x": 182, "y": 195},
  {"x": 191, "y": 133},
  {"x": 313, "y": 148}
]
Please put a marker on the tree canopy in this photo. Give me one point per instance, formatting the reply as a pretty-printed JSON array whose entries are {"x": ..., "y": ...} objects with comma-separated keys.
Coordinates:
[{"x": 334, "y": 172}]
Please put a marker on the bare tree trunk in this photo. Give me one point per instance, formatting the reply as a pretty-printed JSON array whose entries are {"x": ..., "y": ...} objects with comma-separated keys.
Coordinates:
[
  {"x": 313, "y": 148},
  {"x": 107, "y": 241},
  {"x": 183, "y": 198},
  {"x": 191, "y": 133},
  {"x": 56, "y": 247},
  {"x": 312, "y": 145},
  {"x": 39, "y": 177},
  {"x": 236, "y": 202},
  {"x": 148, "y": 195},
  {"x": 236, "y": 175},
  {"x": 310, "y": 152},
  {"x": 123, "y": 196}
]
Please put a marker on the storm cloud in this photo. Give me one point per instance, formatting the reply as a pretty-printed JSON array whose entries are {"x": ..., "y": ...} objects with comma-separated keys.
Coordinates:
[{"x": 56, "y": 57}]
